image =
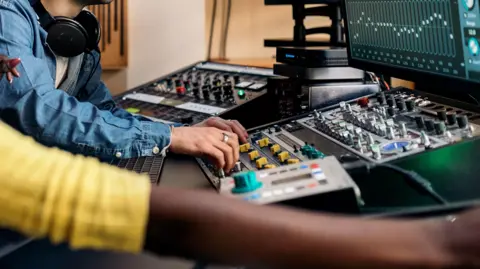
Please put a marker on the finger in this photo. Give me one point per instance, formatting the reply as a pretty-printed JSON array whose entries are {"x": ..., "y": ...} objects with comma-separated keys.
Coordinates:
[
  {"x": 15, "y": 72},
  {"x": 218, "y": 123},
  {"x": 239, "y": 130},
  {"x": 4, "y": 67},
  {"x": 233, "y": 143},
  {"x": 10, "y": 77},
  {"x": 215, "y": 155},
  {"x": 12, "y": 63},
  {"x": 227, "y": 153}
]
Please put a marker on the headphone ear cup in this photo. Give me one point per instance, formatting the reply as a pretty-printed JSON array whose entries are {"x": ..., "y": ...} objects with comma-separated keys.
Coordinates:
[
  {"x": 67, "y": 38},
  {"x": 91, "y": 25}
]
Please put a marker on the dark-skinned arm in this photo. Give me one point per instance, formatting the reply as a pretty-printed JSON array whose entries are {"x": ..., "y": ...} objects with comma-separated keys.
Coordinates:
[{"x": 207, "y": 227}]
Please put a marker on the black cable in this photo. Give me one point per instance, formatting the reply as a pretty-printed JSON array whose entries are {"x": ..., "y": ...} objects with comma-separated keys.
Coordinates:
[
  {"x": 226, "y": 28},
  {"x": 417, "y": 180},
  {"x": 212, "y": 28}
]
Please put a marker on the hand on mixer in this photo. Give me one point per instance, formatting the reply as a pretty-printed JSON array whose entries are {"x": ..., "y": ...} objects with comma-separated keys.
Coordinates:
[{"x": 215, "y": 138}]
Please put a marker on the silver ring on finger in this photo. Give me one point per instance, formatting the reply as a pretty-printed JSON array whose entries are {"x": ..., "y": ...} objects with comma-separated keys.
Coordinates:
[{"x": 226, "y": 137}]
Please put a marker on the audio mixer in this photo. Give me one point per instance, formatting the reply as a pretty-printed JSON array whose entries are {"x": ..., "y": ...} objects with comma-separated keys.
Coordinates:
[
  {"x": 196, "y": 93},
  {"x": 380, "y": 128},
  {"x": 321, "y": 184}
]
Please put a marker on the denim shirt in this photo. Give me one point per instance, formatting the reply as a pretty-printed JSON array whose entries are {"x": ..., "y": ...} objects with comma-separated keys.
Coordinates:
[{"x": 85, "y": 122}]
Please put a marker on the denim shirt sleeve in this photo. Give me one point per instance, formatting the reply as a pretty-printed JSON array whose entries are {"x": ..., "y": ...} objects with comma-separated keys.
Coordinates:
[{"x": 53, "y": 117}]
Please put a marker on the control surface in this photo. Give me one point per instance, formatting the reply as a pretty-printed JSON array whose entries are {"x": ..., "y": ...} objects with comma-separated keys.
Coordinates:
[{"x": 194, "y": 94}]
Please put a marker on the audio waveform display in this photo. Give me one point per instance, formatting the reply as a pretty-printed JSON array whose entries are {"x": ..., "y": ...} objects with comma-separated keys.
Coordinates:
[{"x": 416, "y": 26}]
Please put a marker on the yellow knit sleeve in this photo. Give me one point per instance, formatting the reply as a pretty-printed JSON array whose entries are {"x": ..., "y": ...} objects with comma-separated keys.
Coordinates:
[{"x": 46, "y": 192}]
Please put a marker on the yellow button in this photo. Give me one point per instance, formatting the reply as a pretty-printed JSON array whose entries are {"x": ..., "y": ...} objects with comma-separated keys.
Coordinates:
[
  {"x": 283, "y": 156},
  {"x": 261, "y": 162},
  {"x": 254, "y": 154},
  {"x": 293, "y": 161},
  {"x": 275, "y": 148},
  {"x": 245, "y": 147},
  {"x": 263, "y": 142},
  {"x": 269, "y": 166}
]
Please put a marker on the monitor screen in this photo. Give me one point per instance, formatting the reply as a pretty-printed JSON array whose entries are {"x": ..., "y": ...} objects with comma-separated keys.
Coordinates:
[{"x": 433, "y": 37}]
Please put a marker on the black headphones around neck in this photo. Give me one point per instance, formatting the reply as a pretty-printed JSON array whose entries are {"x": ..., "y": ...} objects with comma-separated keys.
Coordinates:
[{"x": 69, "y": 37}]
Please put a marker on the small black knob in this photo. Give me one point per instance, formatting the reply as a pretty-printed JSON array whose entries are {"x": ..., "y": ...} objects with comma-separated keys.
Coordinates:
[
  {"x": 391, "y": 111},
  {"x": 452, "y": 118},
  {"x": 401, "y": 105},
  {"x": 236, "y": 79},
  {"x": 420, "y": 122},
  {"x": 381, "y": 98},
  {"x": 195, "y": 91},
  {"x": 442, "y": 115},
  {"x": 462, "y": 121},
  {"x": 226, "y": 77},
  {"x": 429, "y": 124},
  {"x": 277, "y": 128},
  {"x": 410, "y": 105},
  {"x": 390, "y": 102},
  {"x": 440, "y": 128}
]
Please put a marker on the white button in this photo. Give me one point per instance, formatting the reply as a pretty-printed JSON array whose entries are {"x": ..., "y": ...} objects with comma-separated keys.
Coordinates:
[
  {"x": 267, "y": 194},
  {"x": 277, "y": 192},
  {"x": 156, "y": 150},
  {"x": 289, "y": 190},
  {"x": 263, "y": 175},
  {"x": 118, "y": 155}
]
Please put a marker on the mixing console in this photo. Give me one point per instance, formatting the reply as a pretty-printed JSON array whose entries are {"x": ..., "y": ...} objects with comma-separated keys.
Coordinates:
[
  {"x": 316, "y": 184},
  {"x": 195, "y": 93},
  {"x": 379, "y": 129}
]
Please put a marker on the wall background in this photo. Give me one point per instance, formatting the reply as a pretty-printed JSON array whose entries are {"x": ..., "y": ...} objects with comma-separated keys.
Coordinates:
[{"x": 164, "y": 35}]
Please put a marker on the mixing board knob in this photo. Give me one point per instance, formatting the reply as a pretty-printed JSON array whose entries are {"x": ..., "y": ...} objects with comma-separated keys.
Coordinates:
[
  {"x": 420, "y": 122},
  {"x": 377, "y": 154},
  {"x": 462, "y": 121},
  {"x": 440, "y": 128},
  {"x": 370, "y": 139},
  {"x": 263, "y": 142},
  {"x": 277, "y": 128},
  {"x": 253, "y": 155},
  {"x": 391, "y": 101},
  {"x": 244, "y": 148},
  {"x": 226, "y": 77},
  {"x": 442, "y": 115},
  {"x": 181, "y": 90},
  {"x": 391, "y": 111},
  {"x": 381, "y": 98},
  {"x": 349, "y": 108},
  {"x": 295, "y": 149},
  {"x": 350, "y": 139},
  {"x": 282, "y": 157},
  {"x": 429, "y": 124},
  {"x": 452, "y": 118},
  {"x": 261, "y": 162},
  {"x": 246, "y": 182},
  {"x": 275, "y": 148},
  {"x": 425, "y": 140},
  {"x": 293, "y": 161},
  {"x": 410, "y": 105},
  {"x": 236, "y": 79},
  {"x": 218, "y": 96},
  {"x": 343, "y": 106},
  {"x": 391, "y": 133},
  {"x": 358, "y": 145},
  {"x": 403, "y": 130},
  {"x": 363, "y": 102},
  {"x": 401, "y": 105}
]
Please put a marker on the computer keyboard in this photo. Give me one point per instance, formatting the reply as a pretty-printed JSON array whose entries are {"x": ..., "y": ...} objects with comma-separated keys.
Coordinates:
[{"x": 143, "y": 165}]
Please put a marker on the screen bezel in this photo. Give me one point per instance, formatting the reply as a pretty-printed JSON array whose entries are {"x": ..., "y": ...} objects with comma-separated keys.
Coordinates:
[{"x": 431, "y": 82}]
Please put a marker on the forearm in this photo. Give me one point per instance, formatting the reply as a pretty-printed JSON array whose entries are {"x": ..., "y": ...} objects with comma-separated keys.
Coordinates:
[{"x": 210, "y": 228}]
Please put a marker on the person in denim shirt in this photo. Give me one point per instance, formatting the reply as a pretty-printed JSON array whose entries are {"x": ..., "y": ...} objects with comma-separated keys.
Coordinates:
[{"x": 79, "y": 114}]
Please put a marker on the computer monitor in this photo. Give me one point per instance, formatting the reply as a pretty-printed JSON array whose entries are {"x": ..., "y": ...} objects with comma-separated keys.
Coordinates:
[{"x": 428, "y": 41}]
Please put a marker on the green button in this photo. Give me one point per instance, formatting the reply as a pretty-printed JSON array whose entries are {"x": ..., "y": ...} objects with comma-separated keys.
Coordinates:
[
  {"x": 133, "y": 110},
  {"x": 246, "y": 182},
  {"x": 241, "y": 94}
]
